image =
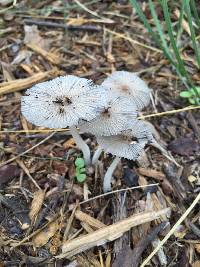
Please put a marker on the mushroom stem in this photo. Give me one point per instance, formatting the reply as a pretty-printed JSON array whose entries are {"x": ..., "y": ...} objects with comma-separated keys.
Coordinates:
[
  {"x": 164, "y": 152},
  {"x": 109, "y": 173},
  {"x": 96, "y": 155},
  {"x": 81, "y": 144}
]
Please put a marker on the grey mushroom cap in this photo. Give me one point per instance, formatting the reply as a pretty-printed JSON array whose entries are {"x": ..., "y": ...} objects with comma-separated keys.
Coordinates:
[
  {"x": 63, "y": 102},
  {"x": 141, "y": 130},
  {"x": 129, "y": 84},
  {"x": 122, "y": 146},
  {"x": 114, "y": 118}
]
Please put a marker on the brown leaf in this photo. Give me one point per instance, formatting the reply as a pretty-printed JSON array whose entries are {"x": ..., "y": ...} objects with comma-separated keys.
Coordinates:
[
  {"x": 32, "y": 36},
  {"x": 8, "y": 173},
  {"x": 36, "y": 204},
  {"x": 60, "y": 167},
  {"x": 184, "y": 146},
  {"x": 43, "y": 237}
]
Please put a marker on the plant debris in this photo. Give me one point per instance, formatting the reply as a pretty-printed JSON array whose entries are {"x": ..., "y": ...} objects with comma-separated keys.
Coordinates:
[{"x": 44, "y": 211}]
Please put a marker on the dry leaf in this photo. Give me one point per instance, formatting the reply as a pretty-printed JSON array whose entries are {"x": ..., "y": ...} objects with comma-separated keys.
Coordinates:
[
  {"x": 38, "y": 199},
  {"x": 43, "y": 237},
  {"x": 8, "y": 173},
  {"x": 32, "y": 36},
  {"x": 184, "y": 146}
]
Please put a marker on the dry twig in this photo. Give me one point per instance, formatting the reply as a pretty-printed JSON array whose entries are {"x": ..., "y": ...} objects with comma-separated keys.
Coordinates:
[{"x": 108, "y": 233}]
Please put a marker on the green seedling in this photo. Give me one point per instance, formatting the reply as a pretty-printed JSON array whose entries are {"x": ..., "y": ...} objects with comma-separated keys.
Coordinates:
[
  {"x": 191, "y": 96},
  {"x": 80, "y": 170}
]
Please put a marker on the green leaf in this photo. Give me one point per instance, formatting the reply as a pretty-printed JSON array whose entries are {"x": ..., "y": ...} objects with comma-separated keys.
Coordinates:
[
  {"x": 192, "y": 101},
  {"x": 195, "y": 91},
  {"x": 81, "y": 177},
  {"x": 82, "y": 170},
  {"x": 79, "y": 162},
  {"x": 186, "y": 94}
]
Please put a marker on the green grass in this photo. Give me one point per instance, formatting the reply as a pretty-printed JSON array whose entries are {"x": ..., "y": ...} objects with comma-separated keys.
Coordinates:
[{"x": 167, "y": 34}]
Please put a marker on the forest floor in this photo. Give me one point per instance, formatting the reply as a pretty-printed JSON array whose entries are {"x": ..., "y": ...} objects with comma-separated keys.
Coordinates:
[{"x": 44, "y": 211}]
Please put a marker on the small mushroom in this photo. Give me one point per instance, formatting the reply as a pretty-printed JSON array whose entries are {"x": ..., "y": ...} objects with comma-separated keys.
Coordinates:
[
  {"x": 120, "y": 146},
  {"x": 116, "y": 117},
  {"x": 63, "y": 102},
  {"x": 129, "y": 84},
  {"x": 143, "y": 130}
]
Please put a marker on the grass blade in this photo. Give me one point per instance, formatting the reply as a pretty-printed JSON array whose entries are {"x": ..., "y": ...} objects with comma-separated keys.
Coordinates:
[
  {"x": 142, "y": 17},
  {"x": 160, "y": 31},
  {"x": 192, "y": 31},
  {"x": 171, "y": 36},
  {"x": 194, "y": 11}
]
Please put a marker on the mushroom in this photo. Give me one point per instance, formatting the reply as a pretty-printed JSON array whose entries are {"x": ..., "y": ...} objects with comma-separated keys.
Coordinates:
[
  {"x": 129, "y": 84},
  {"x": 116, "y": 117},
  {"x": 143, "y": 130},
  {"x": 63, "y": 102},
  {"x": 120, "y": 146},
  {"x": 130, "y": 145}
]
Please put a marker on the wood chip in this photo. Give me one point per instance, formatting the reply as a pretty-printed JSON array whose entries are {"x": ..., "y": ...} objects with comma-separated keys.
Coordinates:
[
  {"x": 36, "y": 204},
  {"x": 83, "y": 217},
  {"x": 51, "y": 57},
  {"x": 107, "y": 233},
  {"x": 43, "y": 237},
  {"x": 158, "y": 175}
]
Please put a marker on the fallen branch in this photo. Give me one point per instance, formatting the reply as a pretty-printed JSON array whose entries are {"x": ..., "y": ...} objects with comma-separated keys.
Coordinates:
[
  {"x": 107, "y": 233},
  {"x": 20, "y": 84},
  {"x": 63, "y": 26}
]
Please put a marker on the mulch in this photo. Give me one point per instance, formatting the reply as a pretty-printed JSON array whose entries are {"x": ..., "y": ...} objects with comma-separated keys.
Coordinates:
[{"x": 47, "y": 218}]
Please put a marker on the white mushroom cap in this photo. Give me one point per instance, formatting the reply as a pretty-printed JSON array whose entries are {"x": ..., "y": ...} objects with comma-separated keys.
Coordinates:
[
  {"x": 62, "y": 102},
  {"x": 129, "y": 84},
  {"x": 141, "y": 130},
  {"x": 121, "y": 146},
  {"x": 115, "y": 118}
]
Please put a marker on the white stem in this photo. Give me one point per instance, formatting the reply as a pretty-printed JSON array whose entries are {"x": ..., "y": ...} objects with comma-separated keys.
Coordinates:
[
  {"x": 109, "y": 173},
  {"x": 161, "y": 254},
  {"x": 96, "y": 155},
  {"x": 165, "y": 154},
  {"x": 82, "y": 145}
]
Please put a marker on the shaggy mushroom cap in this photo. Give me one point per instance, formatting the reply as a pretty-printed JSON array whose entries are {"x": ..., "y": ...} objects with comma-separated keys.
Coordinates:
[
  {"x": 63, "y": 102},
  {"x": 122, "y": 146},
  {"x": 129, "y": 84},
  {"x": 114, "y": 118}
]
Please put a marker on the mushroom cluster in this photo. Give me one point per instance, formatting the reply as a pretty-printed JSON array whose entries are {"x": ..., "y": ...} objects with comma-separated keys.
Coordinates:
[{"x": 109, "y": 111}]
